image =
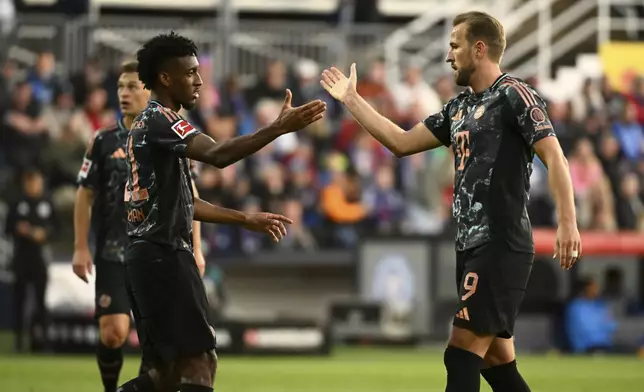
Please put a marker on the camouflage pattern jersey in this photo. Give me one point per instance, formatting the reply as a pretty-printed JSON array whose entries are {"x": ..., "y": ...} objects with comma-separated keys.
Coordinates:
[
  {"x": 159, "y": 196},
  {"x": 104, "y": 171},
  {"x": 492, "y": 134}
]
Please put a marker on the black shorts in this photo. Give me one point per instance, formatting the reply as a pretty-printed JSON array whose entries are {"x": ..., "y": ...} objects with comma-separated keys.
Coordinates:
[
  {"x": 491, "y": 280},
  {"x": 110, "y": 289},
  {"x": 169, "y": 302}
]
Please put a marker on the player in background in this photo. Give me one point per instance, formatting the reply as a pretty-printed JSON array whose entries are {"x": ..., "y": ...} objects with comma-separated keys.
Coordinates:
[
  {"x": 494, "y": 128},
  {"x": 99, "y": 199},
  {"x": 168, "y": 298}
]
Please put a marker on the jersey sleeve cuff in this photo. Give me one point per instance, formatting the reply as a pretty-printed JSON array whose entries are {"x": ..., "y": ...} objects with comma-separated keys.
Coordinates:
[{"x": 441, "y": 138}]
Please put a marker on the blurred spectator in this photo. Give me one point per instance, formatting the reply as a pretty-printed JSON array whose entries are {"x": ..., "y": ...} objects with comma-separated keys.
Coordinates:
[
  {"x": 589, "y": 101},
  {"x": 414, "y": 98},
  {"x": 43, "y": 79},
  {"x": 273, "y": 86},
  {"x": 62, "y": 158},
  {"x": 614, "y": 101},
  {"x": 58, "y": 115},
  {"x": 445, "y": 88},
  {"x": 342, "y": 206},
  {"x": 629, "y": 133},
  {"x": 94, "y": 76},
  {"x": 299, "y": 236},
  {"x": 636, "y": 98},
  {"x": 333, "y": 162},
  {"x": 25, "y": 131},
  {"x": 249, "y": 241},
  {"x": 367, "y": 154},
  {"x": 592, "y": 190},
  {"x": 568, "y": 131},
  {"x": 611, "y": 160},
  {"x": 385, "y": 204},
  {"x": 93, "y": 116},
  {"x": 373, "y": 89},
  {"x": 271, "y": 186},
  {"x": 31, "y": 222},
  {"x": 9, "y": 76},
  {"x": 589, "y": 323},
  {"x": 629, "y": 206}
]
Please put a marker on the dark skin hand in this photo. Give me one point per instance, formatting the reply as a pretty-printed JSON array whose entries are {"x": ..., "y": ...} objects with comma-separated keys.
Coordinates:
[
  {"x": 203, "y": 148},
  {"x": 268, "y": 223},
  {"x": 262, "y": 222}
]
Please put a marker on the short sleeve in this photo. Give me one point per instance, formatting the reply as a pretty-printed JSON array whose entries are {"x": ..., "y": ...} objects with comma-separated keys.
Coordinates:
[
  {"x": 529, "y": 112},
  {"x": 171, "y": 132},
  {"x": 89, "y": 173},
  {"x": 439, "y": 124}
]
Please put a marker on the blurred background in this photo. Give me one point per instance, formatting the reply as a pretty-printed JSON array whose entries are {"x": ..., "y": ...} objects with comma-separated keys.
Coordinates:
[{"x": 370, "y": 258}]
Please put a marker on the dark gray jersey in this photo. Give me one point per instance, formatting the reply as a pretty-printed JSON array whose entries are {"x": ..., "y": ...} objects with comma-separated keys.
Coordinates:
[
  {"x": 158, "y": 195},
  {"x": 492, "y": 134}
]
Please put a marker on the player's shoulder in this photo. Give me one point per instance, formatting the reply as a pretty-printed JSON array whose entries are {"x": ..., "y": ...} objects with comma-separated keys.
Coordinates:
[
  {"x": 516, "y": 88},
  {"x": 157, "y": 114},
  {"x": 101, "y": 136}
]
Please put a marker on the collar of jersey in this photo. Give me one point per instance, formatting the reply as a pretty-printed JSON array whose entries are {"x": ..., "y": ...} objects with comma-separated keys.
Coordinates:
[
  {"x": 121, "y": 125},
  {"x": 496, "y": 83},
  {"x": 154, "y": 101}
]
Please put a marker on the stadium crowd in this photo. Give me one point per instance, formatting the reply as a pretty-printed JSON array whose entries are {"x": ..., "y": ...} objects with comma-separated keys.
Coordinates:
[{"x": 333, "y": 179}]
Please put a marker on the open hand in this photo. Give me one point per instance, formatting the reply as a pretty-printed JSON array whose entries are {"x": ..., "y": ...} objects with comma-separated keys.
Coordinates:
[
  {"x": 265, "y": 222},
  {"x": 338, "y": 85},
  {"x": 293, "y": 119},
  {"x": 82, "y": 264},
  {"x": 567, "y": 246}
]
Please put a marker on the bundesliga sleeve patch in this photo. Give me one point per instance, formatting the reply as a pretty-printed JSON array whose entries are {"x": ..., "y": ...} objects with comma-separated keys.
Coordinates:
[
  {"x": 84, "y": 170},
  {"x": 183, "y": 128}
]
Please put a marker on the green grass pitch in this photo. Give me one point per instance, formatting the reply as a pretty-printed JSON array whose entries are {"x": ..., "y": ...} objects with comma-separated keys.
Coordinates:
[{"x": 348, "y": 370}]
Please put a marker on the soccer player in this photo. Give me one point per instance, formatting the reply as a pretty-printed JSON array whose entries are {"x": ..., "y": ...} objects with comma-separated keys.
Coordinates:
[
  {"x": 168, "y": 298},
  {"x": 494, "y": 128},
  {"x": 99, "y": 198}
]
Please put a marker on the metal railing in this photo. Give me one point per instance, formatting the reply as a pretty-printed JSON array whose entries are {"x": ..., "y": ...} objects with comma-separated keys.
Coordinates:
[
  {"x": 537, "y": 38},
  {"x": 533, "y": 54}
]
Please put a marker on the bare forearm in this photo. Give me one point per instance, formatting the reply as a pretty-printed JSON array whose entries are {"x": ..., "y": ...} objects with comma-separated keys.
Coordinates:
[
  {"x": 82, "y": 216},
  {"x": 380, "y": 127},
  {"x": 228, "y": 152},
  {"x": 206, "y": 212},
  {"x": 196, "y": 225},
  {"x": 562, "y": 191}
]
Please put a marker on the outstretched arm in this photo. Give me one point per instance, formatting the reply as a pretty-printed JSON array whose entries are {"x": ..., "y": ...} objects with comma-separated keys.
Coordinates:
[
  {"x": 271, "y": 224},
  {"x": 203, "y": 148},
  {"x": 398, "y": 141}
]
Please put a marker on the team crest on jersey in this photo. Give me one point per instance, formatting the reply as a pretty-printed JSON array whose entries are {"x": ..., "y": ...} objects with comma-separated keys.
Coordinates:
[
  {"x": 539, "y": 118},
  {"x": 479, "y": 112},
  {"x": 104, "y": 301},
  {"x": 183, "y": 128},
  {"x": 537, "y": 115}
]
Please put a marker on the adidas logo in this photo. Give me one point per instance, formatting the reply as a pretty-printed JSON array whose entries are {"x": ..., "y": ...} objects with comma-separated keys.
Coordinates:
[{"x": 463, "y": 314}]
